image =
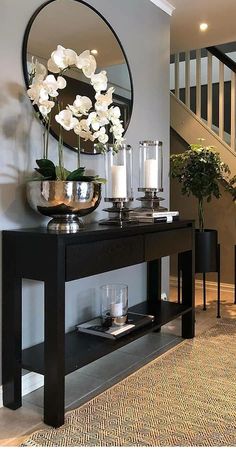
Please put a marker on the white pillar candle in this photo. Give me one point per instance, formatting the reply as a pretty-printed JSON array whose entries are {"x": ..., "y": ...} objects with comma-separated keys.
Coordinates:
[
  {"x": 118, "y": 177},
  {"x": 116, "y": 310},
  {"x": 150, "y": 174}
]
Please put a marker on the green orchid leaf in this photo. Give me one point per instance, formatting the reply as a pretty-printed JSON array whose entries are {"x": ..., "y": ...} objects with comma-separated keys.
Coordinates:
[
  {"x": 47, "y": 173},
  {"x": 100, "y": 180},
  {"x": 76, "y": 175},
  {"x": 45, "y": 163}
]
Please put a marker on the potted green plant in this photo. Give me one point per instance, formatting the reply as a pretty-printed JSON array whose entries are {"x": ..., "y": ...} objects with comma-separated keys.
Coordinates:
[{"x": 200, "y": 171}]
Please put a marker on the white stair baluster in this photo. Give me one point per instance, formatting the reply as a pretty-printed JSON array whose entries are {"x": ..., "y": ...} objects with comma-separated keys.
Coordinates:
[
  {"x": 221, "y": 100},
  {"x": 198, "y": 83},
  {"x": 187, "y": 79},
  {"x": 177, "y": 75},
  {"x": 209, "y": 89}
]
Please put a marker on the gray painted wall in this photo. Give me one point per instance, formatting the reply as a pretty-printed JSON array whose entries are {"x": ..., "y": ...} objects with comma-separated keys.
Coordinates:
[
  {"x": 144, "y": 32},
  {"x": 220, "y": 214}
]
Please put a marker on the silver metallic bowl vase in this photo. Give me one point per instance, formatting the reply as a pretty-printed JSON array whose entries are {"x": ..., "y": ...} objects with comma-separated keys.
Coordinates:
[{"x": 64, "y": 201}]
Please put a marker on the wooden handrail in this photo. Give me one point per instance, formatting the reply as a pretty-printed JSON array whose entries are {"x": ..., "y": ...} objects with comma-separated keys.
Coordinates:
[{"x": 222, "y": 57}]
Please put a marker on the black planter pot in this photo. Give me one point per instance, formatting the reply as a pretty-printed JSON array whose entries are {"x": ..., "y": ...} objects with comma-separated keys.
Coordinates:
[{"x": 206, "y": 243}]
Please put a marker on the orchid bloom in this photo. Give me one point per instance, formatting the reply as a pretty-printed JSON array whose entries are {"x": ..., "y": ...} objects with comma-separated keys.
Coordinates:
[
  {"x": 81, "y": 106},
  {"x": 87, "y": 63},
  {"x": 117, "y": 131},
  {"x": 62, "y": 58},
  {"x": 66, "y": 120},
  {"x": 51, "y": 85},
  {"x": 101, "y": 135},
  {"x": 99, "y": 81},
  {"x": 40, "y": 72},
  {"x": 114, "y": 115},
  {"x": 94, "y": 121},
  {"x": 104, "y": 100},
  {"x": 46, "y": 106}
]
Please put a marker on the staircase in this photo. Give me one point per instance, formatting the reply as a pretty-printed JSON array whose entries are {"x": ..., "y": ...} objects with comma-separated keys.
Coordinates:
[{"x": 203, "y": 100}]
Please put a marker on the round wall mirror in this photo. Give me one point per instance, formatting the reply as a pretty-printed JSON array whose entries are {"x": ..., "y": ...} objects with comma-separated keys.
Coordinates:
[{"x": 78, "y": 26}]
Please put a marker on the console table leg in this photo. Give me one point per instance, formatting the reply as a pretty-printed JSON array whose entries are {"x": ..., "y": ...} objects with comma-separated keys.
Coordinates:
[
  {"x": 234, "y": 274},
  {"x": 188, "y": 295},
  {"x": 218, "y": 283},
  {"x": 204, "y": 291},
  {"x": 54, "y": 351},
  {"x": 153, "y": 284},
  {"x": 11, "y": 337}
]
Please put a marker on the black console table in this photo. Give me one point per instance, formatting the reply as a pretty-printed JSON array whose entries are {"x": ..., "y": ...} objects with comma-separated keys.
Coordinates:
[{"x": 57, "y": 258}]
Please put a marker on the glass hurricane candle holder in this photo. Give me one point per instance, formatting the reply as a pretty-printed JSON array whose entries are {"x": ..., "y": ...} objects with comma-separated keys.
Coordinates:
[
  {"x": 119, "y": 185},
  {"x": 118, "y": 173},
  {"x": 150, "y": 175},
  {"x": 150, "y": 166},
  {"x": 114, "y": 304}
]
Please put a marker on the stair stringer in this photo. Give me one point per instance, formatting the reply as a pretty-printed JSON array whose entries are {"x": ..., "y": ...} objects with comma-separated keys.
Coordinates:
[{"x": 190, "y": 128}]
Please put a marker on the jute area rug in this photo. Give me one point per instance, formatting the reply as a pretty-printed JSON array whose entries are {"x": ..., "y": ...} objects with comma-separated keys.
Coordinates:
[{"x": 186, "y": 397}]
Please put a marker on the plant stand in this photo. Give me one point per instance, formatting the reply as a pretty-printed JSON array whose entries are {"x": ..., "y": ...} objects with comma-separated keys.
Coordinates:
[
  {"x": 216, "y": 270},
  {"x": 234, "y": 274}
]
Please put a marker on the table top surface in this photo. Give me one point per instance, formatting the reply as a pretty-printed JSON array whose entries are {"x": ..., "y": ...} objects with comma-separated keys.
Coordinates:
[{"x": 97, "y": 228}]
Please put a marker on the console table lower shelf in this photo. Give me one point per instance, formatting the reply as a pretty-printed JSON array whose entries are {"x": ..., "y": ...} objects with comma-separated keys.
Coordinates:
[{"x": 82, "y": 349}]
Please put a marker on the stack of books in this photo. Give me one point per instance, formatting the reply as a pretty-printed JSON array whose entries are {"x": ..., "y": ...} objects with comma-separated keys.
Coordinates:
[{"x": 150, "y": 216}]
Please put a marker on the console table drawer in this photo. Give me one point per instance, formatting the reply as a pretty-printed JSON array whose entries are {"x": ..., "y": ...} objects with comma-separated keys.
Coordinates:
[
  {"x": 97, "y": 257},
  {"x": 167, "y": 243}
]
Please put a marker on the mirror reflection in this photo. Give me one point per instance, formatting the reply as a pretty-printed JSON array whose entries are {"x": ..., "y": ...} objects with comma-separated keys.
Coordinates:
[{"x": 77, "y": 26}]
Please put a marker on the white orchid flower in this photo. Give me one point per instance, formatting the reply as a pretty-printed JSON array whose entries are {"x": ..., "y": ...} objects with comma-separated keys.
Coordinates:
[
  {"x": 40, "y": 72},
  {"x": 37, "y": 93},
  {"x": 103, "y": 117},
  {"x": 114, "y": 115},
  {"x": 104, "y": 100},
  {"x": 81, "y": 126},
  {"x": 87, "y": 135},
  {"x": 93, "y": 121},
  {"x": 66, "y": 120},
  {"x": 81, "y": 106},
  {"x": 101, "y": 135},
  {"x": 34, "y": 92},
  {"x": 87, "y": 63},
  {"x": 52, "y": 67},
  {"x": 51, "y": 85},
  {"x": 99, "y": 81},
  {"x": 62, "y": 58},
  {"x": 117, "y": 131},
  {"x": 46, "y": 106},
  {"x": 61, "y": 82}
]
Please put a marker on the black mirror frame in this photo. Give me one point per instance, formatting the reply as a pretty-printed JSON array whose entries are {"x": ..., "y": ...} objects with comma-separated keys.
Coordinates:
[{"x": 25, "y": 71}]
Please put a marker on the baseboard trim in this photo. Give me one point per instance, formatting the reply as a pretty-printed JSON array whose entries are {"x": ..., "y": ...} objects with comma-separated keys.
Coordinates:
[
  {"x": 224, "y": 287},
  {"x": 30, "y": 382}
]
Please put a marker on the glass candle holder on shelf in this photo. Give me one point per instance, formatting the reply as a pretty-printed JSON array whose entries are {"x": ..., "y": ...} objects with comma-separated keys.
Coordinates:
[
  {"x": 114, "y": 304},
  {"x": 150, "y": 166},
  {"x": 150, "y": 176},
  {"x": 119, "y": 185},
  {"x": 118, "y": 173}
]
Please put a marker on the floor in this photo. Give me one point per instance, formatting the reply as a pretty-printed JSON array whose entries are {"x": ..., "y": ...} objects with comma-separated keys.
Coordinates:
[{"x": 98, "y": 376}]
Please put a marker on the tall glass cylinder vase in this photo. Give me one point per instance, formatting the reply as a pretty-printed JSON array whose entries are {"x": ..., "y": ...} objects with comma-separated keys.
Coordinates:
[
  {"x": 119, "y": 185},
  {"x": 119, "y": 174},
  {"x": 150, "y": 176},
  {"x": 150, "y": 166}
]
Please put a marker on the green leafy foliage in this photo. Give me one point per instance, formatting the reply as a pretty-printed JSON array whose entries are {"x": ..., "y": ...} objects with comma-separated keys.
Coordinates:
[
  {"x": 46, "y": 168},
  {"x": 76, "y": 174},
  {"x": 231, "y": 187},
  {"x": 200, "y": 171},
  {"x": 48, "y": 171}
]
